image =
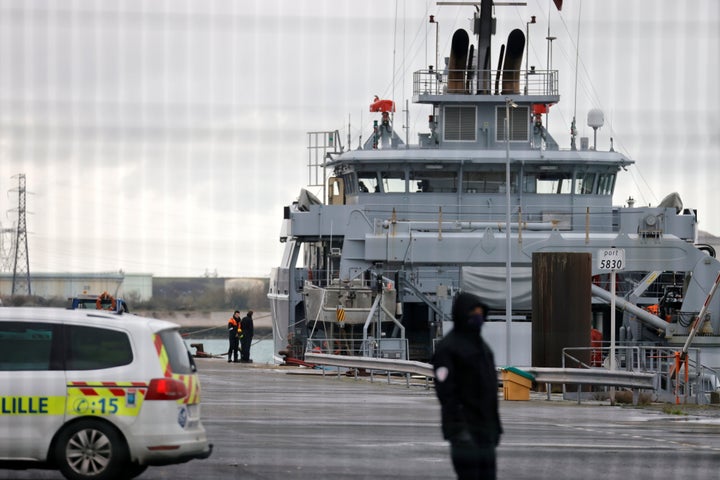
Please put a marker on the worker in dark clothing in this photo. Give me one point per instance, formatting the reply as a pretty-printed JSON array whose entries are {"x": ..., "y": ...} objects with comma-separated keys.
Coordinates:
[
  {"x": 246, "y": 324},
  {"x": 233, "y": 335},
  {"x": 466, "y": 385}
]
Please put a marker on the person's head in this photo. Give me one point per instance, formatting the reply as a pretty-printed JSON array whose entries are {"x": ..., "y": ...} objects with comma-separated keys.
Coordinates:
[
  {"x": 236, "y": 313},
  {"x": 468, "y": 312},
  {"x": 250, "y": 313}
]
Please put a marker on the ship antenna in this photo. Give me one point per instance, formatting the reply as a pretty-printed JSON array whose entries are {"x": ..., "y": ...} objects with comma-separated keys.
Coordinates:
[
  {"x": 547, "y": 63},
  {"x": 407, "y": 124},
  {"x": 392, "y": 110},
  {"x": 573, "y": 130}
]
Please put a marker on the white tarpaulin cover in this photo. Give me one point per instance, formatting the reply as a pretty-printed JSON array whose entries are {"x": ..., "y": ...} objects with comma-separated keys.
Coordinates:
[{"x": 488, "y": 283}]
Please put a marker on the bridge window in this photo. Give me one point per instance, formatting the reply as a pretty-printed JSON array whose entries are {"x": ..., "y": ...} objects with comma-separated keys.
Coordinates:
[
  {"x": 485, "y": 182},
  {"x": 544, "y": 183},
  {"x": 433, "y": 181},
  {"x": 368, "y": 182},
  {"x": 606, "y": 184},
  {"x": 584, "y": 184},
  {"x": 393, "y": 182}
]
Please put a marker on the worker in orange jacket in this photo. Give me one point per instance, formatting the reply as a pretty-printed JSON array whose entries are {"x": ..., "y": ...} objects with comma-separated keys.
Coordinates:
[{"x": 233, "y": 337}]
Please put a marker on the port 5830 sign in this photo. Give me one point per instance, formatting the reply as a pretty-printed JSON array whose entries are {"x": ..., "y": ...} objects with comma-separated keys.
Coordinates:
[{"x": 611, "y": 259}]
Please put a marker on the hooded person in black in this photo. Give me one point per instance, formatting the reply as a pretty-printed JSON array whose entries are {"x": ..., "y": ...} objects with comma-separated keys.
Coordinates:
[
  {"x": 248, "y": 330},
  {"x": 466, "y": 385}
]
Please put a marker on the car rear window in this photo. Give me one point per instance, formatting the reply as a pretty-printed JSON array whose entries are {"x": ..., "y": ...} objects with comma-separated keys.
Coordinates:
[
  {"x": 178, "y": 354},
  {"x": 91, "y": 348},
  {"x": 26, "y": 346}
]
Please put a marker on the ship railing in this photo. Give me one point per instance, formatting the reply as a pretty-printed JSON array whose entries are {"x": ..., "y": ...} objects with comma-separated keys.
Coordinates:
[
  {"x": 583, "y": 377},
  {"x": 408, "y": 368},
  {"x": 335, "y": 346},
  {"x": 372, "y": 365},
  {"x": 701, "y": 381},
  {"x": 486, "y": 82},
  {"x": 626, "y": 282},
  {"x": 388, "y": 348},
  {"x": 627, "y": 357},
  {"x": 325, "y": 278},
  {"x": 484, "y": 213},
  {"x": 532, "y": 217}
]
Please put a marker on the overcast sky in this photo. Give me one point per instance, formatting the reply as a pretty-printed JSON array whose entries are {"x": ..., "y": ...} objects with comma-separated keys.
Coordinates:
[{"x": 166, "y": 136}]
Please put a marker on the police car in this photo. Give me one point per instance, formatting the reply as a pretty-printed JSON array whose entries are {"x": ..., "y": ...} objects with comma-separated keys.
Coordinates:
[{"x": 96, "y": 395}]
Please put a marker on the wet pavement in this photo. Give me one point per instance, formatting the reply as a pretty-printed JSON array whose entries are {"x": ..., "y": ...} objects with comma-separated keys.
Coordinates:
[{"x": 272, "y": 423}]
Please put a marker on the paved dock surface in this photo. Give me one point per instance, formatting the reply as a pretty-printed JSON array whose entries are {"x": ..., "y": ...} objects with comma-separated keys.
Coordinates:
[{"x": 269, "y": 424}]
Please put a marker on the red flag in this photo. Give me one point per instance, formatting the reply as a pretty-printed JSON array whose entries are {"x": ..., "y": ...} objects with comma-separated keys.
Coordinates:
[{"x": 558, "y": 4}]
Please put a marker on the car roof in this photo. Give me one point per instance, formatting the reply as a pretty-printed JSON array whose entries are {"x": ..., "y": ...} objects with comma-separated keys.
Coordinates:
[{"x": 99, "y": 318}]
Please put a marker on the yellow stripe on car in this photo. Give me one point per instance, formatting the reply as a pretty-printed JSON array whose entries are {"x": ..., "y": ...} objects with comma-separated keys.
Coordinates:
[
  {"x": 36, "y": 405},
  {"x": 116, "y": 398}
]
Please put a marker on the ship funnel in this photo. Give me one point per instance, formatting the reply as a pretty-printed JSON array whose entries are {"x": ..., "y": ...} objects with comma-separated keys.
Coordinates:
[
  {"x": 458, "y": 62},
  {"x": 513, "y": 62}
]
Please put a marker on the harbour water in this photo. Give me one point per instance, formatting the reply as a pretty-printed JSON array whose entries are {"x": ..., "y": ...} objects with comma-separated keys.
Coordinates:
[{"x": 261, "y": 350}]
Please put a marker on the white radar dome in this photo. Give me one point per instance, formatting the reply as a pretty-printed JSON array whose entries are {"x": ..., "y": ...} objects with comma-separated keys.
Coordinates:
[{"x": 596, "y": 118}]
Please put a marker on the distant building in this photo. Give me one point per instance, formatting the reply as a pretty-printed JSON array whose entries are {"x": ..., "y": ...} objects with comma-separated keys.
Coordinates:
[{"x": 67, "y": 285}]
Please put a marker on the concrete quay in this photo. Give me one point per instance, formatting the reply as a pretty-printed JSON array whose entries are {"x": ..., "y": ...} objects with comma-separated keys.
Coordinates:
[{"x": 271, "y": 422}]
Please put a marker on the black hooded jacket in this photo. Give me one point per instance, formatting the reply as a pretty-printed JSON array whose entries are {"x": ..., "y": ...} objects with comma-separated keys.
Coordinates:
[
  {"x": 465, "y": 378},
  {"x": 247, "y": 325}
]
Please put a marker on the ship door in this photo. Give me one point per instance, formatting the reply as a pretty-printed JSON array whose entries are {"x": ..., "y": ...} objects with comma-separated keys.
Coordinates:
[
  {"x": 416, "y": 320},
  {"x": 336, "y": 191}
]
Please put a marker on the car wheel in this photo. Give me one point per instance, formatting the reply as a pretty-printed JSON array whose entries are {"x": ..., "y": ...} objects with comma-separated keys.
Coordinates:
[{"x": 91, "y": 450}]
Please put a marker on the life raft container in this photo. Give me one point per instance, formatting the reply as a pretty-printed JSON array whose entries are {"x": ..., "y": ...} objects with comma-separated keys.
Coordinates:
[{"x": 382, "y": 106}]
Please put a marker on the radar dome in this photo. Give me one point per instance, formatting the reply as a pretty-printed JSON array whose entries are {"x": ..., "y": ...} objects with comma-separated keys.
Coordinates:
[{"x": 596, "y": 118}]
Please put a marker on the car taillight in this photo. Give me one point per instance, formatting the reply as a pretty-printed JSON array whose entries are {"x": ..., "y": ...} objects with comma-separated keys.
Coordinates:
[{"x": 166, "y": 389}]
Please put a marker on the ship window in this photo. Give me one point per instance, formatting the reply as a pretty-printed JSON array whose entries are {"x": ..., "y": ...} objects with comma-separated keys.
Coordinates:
[
  {"x": 519, "y": 123},
  {"x": 544, "y": 183},
  {"x": 367, "y": 182},
  {"x": 584, "y": 184},
  {"x": 460, "y": 123},
  {"x": 393, "y": 182},
  {"x": 485, "y": 182},
  {"x": 606, "y": 184},
  {"x": 435, "y": 181}
]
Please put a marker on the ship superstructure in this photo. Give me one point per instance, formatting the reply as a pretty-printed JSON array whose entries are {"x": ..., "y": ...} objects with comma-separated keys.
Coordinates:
[{"x": 372, "y": 268}]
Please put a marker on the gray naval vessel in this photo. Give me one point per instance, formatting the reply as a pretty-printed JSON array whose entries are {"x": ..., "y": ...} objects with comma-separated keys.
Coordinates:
[{"x": 372, "y": 267}]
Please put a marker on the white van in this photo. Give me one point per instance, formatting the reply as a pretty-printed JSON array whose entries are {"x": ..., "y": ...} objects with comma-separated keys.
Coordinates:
[{"x": 97, "y": 395}]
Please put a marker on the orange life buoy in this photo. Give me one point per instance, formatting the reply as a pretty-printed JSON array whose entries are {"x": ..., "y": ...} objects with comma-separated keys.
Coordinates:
[{"x": 105, "y": 296}]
